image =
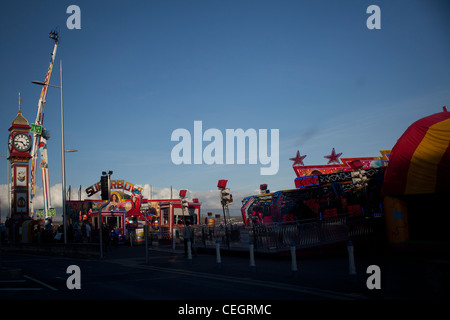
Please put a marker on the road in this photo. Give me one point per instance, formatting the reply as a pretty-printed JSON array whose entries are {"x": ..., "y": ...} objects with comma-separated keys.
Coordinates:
[
  {"x": 166, "y": 277},
  {"x": 124, "y": 274}
]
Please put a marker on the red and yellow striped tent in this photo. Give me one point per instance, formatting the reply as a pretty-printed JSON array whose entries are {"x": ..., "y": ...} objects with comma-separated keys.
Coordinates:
[
  {"x": 420, "y": 160},
  {"x": 419, "y": 165}
]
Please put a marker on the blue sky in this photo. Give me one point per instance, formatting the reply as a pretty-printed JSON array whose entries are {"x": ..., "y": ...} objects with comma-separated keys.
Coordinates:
[{"x": 138, "y": 70}]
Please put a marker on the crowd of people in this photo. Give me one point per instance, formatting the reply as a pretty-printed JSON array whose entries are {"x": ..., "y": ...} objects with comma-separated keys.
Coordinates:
[{"x": 76, "y": 233}]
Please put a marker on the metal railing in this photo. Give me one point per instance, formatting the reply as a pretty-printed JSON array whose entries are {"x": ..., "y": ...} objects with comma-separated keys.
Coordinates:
[{"x": 280, "y": 236}]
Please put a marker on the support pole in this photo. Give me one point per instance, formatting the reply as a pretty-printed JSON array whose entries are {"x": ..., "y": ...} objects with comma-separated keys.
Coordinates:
[
  {"x": 131, "y": 237},
  {"x": 63, "y": 159},
  {"x": 100, "y": 227},
  {"x": 174, "y": 231},
  {"x": 189, "y": 250},
  {"x": 226, "y": 226},
  {"x": 294, "y": 260},
  {"x": 146, "y": 242},
  {"x": 351, "y": 262},
  {"x": 252, "y": 257},
  {"x": 218, "y": 259}
]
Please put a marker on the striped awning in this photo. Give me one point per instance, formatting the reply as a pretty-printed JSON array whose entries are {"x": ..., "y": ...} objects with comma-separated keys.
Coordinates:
[{"x": 420, "y": 160}]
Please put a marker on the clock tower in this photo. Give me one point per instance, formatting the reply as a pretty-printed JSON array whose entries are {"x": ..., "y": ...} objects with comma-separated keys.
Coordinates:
[{"x": 19, "y": 145}]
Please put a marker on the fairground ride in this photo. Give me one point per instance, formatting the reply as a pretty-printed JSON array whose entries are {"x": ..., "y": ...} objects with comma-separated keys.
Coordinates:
[{"x": 40, "y": 138}]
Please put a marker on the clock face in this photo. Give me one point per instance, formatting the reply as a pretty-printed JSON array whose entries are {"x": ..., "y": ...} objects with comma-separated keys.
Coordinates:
[{"x": 22, "y": 142}]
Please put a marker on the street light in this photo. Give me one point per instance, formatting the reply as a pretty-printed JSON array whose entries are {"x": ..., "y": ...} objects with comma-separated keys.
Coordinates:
[
  {"x": 184, "y": 205},
  {"x": 63, "y": 160},
  {"x": 225, "y": 199},
  {"x": 105, "y": 181},
  {"x": 69, "y": 150}
]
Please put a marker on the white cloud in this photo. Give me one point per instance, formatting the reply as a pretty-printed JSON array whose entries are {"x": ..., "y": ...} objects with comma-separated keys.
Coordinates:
[
  {"x": 4, "y": 201},
  {"x": 210, "y": 199}
]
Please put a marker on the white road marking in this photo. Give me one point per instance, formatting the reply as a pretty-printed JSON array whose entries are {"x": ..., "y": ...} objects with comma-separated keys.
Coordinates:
[
  {"x": 274, "y": 285},
  {"x": 41, "y": 283},
  {"x": 20, "y": 289}
]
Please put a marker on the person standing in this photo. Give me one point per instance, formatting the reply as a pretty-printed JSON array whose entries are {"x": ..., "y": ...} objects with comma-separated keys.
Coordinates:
[
  {"x": 83, "y": 232},
  {"x": 88, "y": 232},
  {"x": 188, "y": 236}
]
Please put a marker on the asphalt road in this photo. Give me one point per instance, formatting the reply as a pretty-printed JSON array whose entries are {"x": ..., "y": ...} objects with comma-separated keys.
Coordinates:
[
  {"x": 124, "y": 274},
  {"x": 166, "y": 277}
]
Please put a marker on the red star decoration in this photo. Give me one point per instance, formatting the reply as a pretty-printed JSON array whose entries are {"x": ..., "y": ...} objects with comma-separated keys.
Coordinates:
[
  {"x": 333, "y": 157},
  {"x": 298, "y": 159}
]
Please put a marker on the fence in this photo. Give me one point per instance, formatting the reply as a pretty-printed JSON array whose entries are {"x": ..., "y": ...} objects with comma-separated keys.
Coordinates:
[{"x": 278, "y": 237}]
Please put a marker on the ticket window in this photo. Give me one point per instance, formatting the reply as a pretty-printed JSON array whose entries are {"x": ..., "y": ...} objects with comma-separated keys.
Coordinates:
[
  {"x": 95, "y": 222},
  {"x": 113, "y": 222},
  {"x": 165, "y": 215},
  {"x": 110, "y": 221},
  {"x": 183, "y": 219},
  {"x": 192, "y": 216}
]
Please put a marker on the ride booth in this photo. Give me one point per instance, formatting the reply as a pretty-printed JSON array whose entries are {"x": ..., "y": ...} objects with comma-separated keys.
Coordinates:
[
  {"x": 111, "y": 220},
  {"x": 174, "y": 218},
  {"x": 127, "y": 218}
]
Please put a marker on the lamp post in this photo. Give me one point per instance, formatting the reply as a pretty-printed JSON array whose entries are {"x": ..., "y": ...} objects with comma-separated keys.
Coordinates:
[
  {"x": 63, "y": 160},
  {"x": 225, "y": 199},
  {"x": 64, "y": 186}
]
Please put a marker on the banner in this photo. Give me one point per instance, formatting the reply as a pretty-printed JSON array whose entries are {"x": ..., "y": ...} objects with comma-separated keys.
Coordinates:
[{"x": 124, "y": 188}]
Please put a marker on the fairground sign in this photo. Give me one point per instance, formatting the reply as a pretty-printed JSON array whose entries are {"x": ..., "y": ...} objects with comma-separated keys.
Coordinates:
[{"x": 119, "y": 185}]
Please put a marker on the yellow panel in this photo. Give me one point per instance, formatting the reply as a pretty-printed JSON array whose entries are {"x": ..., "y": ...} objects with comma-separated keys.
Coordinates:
[
  {"x": 425, "y": 160},
  {"x": 396, "y": 217}
]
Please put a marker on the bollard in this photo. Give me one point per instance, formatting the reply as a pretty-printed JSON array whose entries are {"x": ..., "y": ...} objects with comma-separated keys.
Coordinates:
[
  {"x": 351, "y": 262},
  {"x": 252, "y": 257},
  {"x": 294, "y": 260},
  {"x": 173, "y": 239},
  {"x": 146, "y": 242},
  {"x": 218, "y": 260},
  {"x": 101, "y": 242},
  {"x": 189, "y": 250},
  {"x": 131, "y": 237}
]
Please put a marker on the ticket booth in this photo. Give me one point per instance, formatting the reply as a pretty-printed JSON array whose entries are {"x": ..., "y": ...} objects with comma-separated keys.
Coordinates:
[
  {"x": 111, "y": 219},
  {"x": 173, "y": 216}
]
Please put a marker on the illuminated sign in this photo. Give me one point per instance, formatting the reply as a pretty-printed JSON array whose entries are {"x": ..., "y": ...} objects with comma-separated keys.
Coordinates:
[{"x": 121, "y": 185}]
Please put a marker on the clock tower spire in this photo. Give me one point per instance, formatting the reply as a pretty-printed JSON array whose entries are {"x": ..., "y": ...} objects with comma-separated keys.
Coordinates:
[
  {"x": 20, "y": 100},
  {"x": 19, "y": 145}
]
